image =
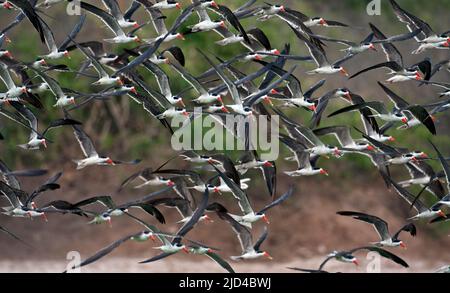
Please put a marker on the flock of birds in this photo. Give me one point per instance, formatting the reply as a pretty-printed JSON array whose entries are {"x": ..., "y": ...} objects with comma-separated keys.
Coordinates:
[{"x": 118, "y": 75}]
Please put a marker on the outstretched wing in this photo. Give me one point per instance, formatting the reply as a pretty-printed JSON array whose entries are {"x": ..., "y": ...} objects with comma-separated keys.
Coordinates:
[
  {"x": 223, "y": 263},
  {"x": 105, "y": 251},
  {"x": 410, "y": 227}
]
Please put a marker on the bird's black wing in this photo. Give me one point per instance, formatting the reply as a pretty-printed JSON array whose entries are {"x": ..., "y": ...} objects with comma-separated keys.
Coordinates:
[
  {"x": 157, "y": 257},
  {"x": 60, "y": 122},
  {"x": 27, "y": 8},
  {"x": 400, "y": 103},
  {"x": 224, "y": 264}
]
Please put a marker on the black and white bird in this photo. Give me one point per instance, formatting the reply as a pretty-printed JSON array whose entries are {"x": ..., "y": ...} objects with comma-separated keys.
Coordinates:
[
  {"x": 22, "y": 203},
  {"x": 368, "y": 43},
  {"x": 402, "y": 112},
  {"x": 423, "y": 174},
  {"x": 251, "y": 160},
  {"x": 348, "y": 257},
  {"x": 444, "y": 201},
  {"x": 14, "y": 92},
  {"x": 158, "y": 21},
  {"x": 423, "y": 212},
  {"x": 306, "y": 165},
  {"x": 61, "y": 51},
  {"x": 306, "y": 137},
  {"x": 249, "y": 215},
  {"x": 343, "y": 135},
  {"x": 104, "y": 77},
  {"x": 114, "y": 10},
  {"x": 89, "y": 151},
  {"x": 323, "y": 65}
]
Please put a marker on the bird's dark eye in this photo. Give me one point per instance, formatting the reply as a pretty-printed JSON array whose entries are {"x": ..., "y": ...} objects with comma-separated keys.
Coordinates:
[
  {"x": 398, "y": 115},
  {"x": 105, "y": 215},
  {"x": 247, "y": 109},
  {"x": 210, "y": 186},
  {"x": 409, "y": 155}
]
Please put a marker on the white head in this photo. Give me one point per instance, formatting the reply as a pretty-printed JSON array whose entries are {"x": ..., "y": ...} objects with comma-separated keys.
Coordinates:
[
  {"x": 267, "y": 255},
  {"x": 402, "y": 118},
  {"x": 275, "y": 51},
  {"x": 148, "y": 235},
  {"x": 210, "y": 4},
  {"x": 130, "y": 89},
  {"x": 341, "y": 70}
]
